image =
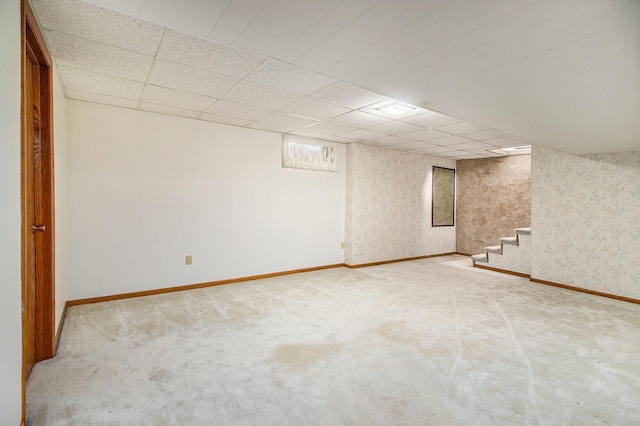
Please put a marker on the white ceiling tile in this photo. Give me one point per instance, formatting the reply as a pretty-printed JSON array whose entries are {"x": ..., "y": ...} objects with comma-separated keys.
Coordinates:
[
  {"x": 442, "y": 49},
  {"x": 163, "y": 109},
  {"x": 411, "y": 37},
  {"x": 524, "y": 55},
  {"x": 471, "y": 145},
  {"x": 205, "y": 54},
  {"x": 235, "y": 19},
  {"x": 509, "y": 141},
  {"x": 315, "y": 109},
  {"x": 334, "y": 21},
  {"x": 88, "y": 21},
  {"x": 395, "y": 128},
  {"x": 425, "y": 134},
  {"x": 88, "y": 55},
  {"x": 239, "y": 111},
  {"x": 285, "y": 122},
  {"x": 377, "y": 142},
  {"x": 451, "y": 154},
  {"x": 431, "y": 119},
  {"x": 358, "y": 119},
  {"x": 392, "y": 140},
  {"x": 470, "y": 156},
  {"x": 158, "y": 11},
  {"x": 124, "y": 6},
  {"x": 263, "y": 96},
  {"x": 480, "y": 151},
  {"x": 190, "y": 79},
  {"x": 267, "y": 127},
  {"x": 493, "y": 63},
  {"x": 97, "y": 83},
  {"x": 348, "y": 96},
  {"x": 435, "y": 149},
  {"x": 101, "y": 99},
  {"x": 176, "y": 99},
  {"x": 485, "y": 135},
  {"x": 288, "y": 77},
  {"x": 280, "y": 22},
  {"x": 425, "y": 34},
  {"x": 460, "y": 128},
  {"x": 413, "y": 146},
  {"x": 378, "y": 22},
  {"x": 362, "y": 135},
  {"x": 451, "y": 140},
  {"x": 323, "y": 129},
  {"x": 223, "y": 120},
  {"x": 339, "y": 139},
  {"x": 197, "y": 16}
]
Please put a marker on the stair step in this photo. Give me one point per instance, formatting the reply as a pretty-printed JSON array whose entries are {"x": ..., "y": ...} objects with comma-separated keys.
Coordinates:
[
  {"x": 522, "y": 231},
  {"x": 512, "y": 241},
  {"x": 493, "y": 249},
  {"x": 479, "y": 258}
]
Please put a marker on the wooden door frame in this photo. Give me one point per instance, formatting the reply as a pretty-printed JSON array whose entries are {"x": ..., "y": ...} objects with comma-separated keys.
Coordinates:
[{"x": 33, "y": 45}]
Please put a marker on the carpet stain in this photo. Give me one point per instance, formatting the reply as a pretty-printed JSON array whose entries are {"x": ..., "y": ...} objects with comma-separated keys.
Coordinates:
[
  {"x": 404, "y": 334},
  {"x": 67, "y": 413},
  {"x": 158, "y": 375},
  {"x": 303, "y": 356},
  {"x": 397, "y": 332}
]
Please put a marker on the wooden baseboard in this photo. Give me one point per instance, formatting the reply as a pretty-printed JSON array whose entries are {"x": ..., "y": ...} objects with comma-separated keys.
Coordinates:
[
  {"x": 463, "y": 254},
  {"x": 504, "y": 271},
  {"x": 584, "y": 290},
  {"x": 384, "y": 262},
  {"x": 195, "y": 286},
  {"x": 59, "y": 330}
]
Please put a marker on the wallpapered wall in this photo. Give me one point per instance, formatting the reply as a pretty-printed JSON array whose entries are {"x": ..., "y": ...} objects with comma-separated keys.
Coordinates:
[
  {"x": 585, "y": 216},
  {"x": 493, "y": 199},
  {"x": 388, "y": 206}
]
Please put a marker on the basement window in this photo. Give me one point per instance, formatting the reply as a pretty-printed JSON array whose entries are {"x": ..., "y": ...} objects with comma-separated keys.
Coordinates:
[{"x": 309, "y": 154}]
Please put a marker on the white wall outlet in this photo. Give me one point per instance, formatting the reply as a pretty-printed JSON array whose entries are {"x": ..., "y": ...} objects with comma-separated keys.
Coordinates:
[{"x": 189, "y": 260}]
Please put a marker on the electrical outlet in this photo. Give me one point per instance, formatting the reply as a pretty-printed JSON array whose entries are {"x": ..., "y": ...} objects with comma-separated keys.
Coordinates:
[
  {"x": 342, "y": 245},
  {"x": 189, "y": 259}
]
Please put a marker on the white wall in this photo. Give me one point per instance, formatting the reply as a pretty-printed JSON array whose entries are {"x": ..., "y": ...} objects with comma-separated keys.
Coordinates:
[
  {"x": 145, "y": 190},
  {"x": 10, "y": 221},
  {"x": 60, "y": 167},
  {"x": 585, "y": 213},
  {"x": 388, "y": 202}
]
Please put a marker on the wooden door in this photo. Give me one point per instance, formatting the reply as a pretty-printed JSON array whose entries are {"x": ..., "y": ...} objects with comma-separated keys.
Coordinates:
[
  {"x": 38, "y": 272},
  {"x": 29, "y": 210}
]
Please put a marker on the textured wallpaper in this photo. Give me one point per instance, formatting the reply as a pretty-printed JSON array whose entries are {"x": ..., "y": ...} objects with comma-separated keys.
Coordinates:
[
  {"x": 586, "y": 220},
  {"x": 388, "y": 206},
  {"x": 493, "y": 199}
]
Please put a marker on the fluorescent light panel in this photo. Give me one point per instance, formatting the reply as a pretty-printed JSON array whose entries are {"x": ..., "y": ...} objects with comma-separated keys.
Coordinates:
[
  {"x": 513, "y": 150},
  {"x": 396, "y": 109}
]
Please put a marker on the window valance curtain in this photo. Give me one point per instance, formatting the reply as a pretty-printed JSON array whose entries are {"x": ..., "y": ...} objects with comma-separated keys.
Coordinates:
[{"x": 309, "y": 154}]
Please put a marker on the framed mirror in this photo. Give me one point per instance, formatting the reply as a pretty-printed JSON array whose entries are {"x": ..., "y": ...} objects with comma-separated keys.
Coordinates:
[{"x": 443, "y": 198}]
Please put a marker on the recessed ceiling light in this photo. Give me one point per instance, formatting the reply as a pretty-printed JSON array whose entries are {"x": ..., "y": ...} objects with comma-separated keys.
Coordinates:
[
  {"x": 514, "y": 150},
  {"x": 518, "y": 148},
  {"x": 396, "y": 109}
]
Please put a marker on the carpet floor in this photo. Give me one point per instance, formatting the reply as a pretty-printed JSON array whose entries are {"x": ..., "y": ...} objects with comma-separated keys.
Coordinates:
[{"x": 426, "y": 342}]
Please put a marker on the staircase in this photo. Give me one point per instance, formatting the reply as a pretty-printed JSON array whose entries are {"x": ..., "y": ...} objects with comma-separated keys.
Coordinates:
[{"x": 512, "y": 255}]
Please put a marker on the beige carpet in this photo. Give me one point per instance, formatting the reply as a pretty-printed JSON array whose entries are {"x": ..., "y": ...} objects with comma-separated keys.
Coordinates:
[{"x": 423, "y": 342}]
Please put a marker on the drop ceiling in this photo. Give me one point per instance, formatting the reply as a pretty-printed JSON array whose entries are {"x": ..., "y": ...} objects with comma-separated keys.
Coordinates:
[{"x": 483, "y": 75}]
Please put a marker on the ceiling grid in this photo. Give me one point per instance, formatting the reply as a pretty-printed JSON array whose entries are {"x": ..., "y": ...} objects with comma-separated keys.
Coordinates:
[{"x": 477, "y": 77}]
